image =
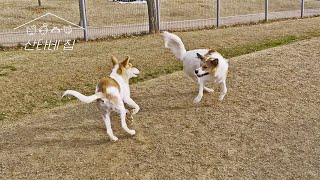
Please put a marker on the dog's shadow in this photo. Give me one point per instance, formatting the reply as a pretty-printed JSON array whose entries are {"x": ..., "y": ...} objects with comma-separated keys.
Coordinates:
[
  {"x": 171, "y": 101},
  {"x": 92, "y": 130},
  {"x": 80, "y": 136}
]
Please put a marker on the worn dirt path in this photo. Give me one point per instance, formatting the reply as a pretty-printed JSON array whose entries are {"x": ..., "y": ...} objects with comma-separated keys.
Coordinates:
[{"x": 268, "y": 127}]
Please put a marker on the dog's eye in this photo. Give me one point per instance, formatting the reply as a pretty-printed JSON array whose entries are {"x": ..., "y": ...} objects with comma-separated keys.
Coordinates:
[{"x": 205, "y": 67}]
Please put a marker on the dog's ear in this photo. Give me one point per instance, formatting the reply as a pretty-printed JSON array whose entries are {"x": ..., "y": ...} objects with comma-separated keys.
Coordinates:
[
  {"x": 200, "y": 57},
  {"x": 125, "y": 62},
  {"x": 114, "y": 60},
  {"x": 214, "y": 62},
  {"x": 210, "y": 52}
]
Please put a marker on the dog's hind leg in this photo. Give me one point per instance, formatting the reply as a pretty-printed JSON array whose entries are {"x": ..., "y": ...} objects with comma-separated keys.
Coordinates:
[
  {"x": 108, "y": 125},
  {"x": 223, "y": 89},
  {"x": 101, "y": 108},
  {"x": 105, "y": 112}
]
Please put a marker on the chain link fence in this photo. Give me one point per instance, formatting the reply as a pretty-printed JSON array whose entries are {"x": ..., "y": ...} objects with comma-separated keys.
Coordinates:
[{"x": 21, "y": 21}]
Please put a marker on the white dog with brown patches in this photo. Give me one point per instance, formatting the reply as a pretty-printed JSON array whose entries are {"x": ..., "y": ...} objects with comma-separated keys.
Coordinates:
[
  {"x": 111, "y": 94},
  {"x": 201, "y": 65}
]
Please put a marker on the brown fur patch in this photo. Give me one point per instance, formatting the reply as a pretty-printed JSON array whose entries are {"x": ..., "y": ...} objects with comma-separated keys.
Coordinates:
[
  {"x": 119, "y": 71},
  {"x": 123, "y": 65},
  {"x": 125, "y": 62},
  {"x": 206, "y": 56},
  {"x": 210, "y": 52},
  {"x": 210, "y": 66},
  {"x": 106, "y": 83}
]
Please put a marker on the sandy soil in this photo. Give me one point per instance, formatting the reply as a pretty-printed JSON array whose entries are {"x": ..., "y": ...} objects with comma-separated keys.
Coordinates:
[{"x": 266, "y": 128}]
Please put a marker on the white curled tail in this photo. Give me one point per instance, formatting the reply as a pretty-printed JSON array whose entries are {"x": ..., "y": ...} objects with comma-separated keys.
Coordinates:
[
  {"x": 175, "y": 44},
  {"x": 83, "y": 98}
]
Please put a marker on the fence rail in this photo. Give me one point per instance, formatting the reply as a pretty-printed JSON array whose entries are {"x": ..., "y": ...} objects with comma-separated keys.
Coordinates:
[{"x": 172, "y": 20}]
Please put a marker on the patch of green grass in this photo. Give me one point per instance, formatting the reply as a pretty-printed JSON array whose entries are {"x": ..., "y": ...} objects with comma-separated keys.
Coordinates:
[
  {"x": 4, "y": 70},
  {"x": 12, "y": 68},
  {"x": 2, "y": 116},
  {"x": 265, "y": 44},
  {"x": 51, "y": 102}
]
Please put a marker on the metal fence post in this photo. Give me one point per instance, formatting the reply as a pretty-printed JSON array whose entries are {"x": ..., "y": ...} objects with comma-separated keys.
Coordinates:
[
  {"x": 266, "y": 6},
  {"x": 218, "y": 13},
  {"x": 302, "y": 8},
  {"x": 158, "y": 14},
  {"x": 83, "y": 17}
]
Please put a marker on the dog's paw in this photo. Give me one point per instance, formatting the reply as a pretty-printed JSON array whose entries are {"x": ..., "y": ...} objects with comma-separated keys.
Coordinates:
[
  {"x": 135, "y": 111},
  {"x": 197, "y": 100},
  {"x": 208, "y": 90},
  {"x": 113, "y": 138},
  {"x": 132, "y": 132},
  {"x": 221, "y": 97}
]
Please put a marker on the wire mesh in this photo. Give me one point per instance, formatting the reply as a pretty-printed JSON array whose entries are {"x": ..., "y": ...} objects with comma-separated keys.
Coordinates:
[
  {"x": 312, "y": 7},
  {"x": 117, "y": 17},
  {"x": 186, "y": 14},
  {"x": 235, "y": 12},
  {"x": 25, "y": 21},
  {"x": 292, "y": 9},
  {"x": 114, "y": 18}
]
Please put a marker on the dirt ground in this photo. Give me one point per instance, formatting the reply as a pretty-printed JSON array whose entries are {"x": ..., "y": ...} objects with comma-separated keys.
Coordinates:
[{"x": 267, "y": 127}]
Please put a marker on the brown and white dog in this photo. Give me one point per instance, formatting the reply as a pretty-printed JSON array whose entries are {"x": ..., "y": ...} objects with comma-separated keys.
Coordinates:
[
  {"x": 111, "y": 94},
  {"x": 201, "y": 65}
]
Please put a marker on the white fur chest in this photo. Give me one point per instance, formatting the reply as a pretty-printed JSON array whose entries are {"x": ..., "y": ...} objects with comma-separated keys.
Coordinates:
[
  {"x": 124, "y": 87},
  {"x": 124, "y": 90}
]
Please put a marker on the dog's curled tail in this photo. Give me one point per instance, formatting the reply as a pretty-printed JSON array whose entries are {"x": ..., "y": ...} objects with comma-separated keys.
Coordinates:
[
  {"x": 175, "y": 44},
  {"x": 83, "y": 98}
]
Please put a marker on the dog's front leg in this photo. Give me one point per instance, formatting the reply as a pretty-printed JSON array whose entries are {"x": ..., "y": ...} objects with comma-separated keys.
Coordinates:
[
  {"x": 200, "y": 94},
  {"x": 131, "y": 103},
  {"x": 197, "y": 79},
  {"x": 223, "y": 89},
  {"x": 123, "y": 118}
]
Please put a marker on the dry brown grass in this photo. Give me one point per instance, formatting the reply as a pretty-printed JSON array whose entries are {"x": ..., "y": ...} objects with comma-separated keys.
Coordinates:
[
  {"x": 104, "y": 13},
  {"x": 35, "y": 81},
  {"x": 266, "y": 128}
]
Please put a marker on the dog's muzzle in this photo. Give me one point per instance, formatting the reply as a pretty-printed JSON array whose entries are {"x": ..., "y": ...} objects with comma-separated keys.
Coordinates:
[
  {"x": 135, "y": 72},
  {"x": 204, "y": 74}
]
